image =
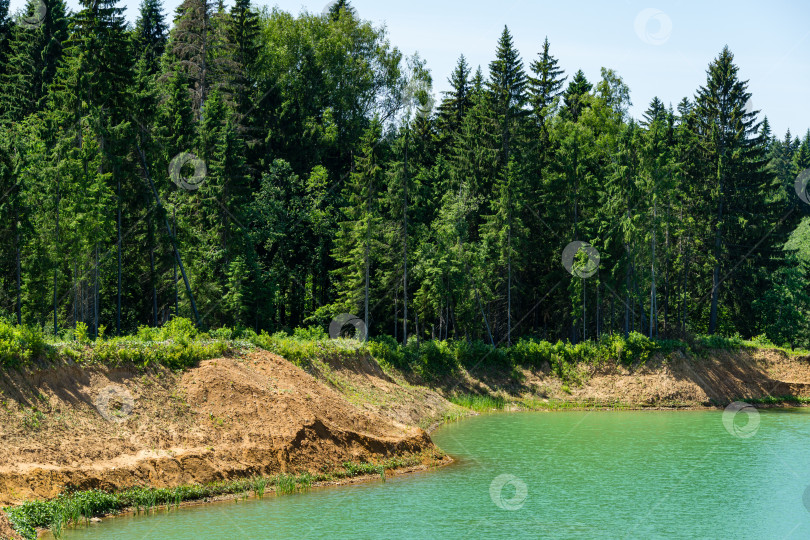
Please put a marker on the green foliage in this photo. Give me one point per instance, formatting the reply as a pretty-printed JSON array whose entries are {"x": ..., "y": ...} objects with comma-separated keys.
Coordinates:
[
  {"x": 176, "y": 345},
  {"x": 388, "y": 352},
  {"x": 21, "y": 345},
  {"x": 300, "y": 348},
  {"x": 331, "y": 185},
  {"x": 636, "y": 348},
  {"x": 719, "y": 342},
  {"x": 81, "y": 333},
  {"x": 73, "y": 507},
  {"x": 478, "y": 403}
]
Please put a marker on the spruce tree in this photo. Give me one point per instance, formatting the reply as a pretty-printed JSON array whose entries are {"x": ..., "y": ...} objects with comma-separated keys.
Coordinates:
[
  {"x": 33, "y": 57},
  {"x": 338, "y": 8},
  {"x": 456, "y": 101},
  {"x": 545, "y": 87},
  {"x": 151, "y": 34},
  {"x": 575, "y": 95},
  {"x": 191, "y": 49},
  {"x": 357, "y": 241},
  {"x": 802, "y": 155},
  {"x": 243, "y": 33},
  {"x": 741, "y": 191}
]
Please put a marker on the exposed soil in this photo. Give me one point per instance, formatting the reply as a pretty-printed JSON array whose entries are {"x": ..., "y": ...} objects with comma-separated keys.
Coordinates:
[
  {"x": 227, "y": 418},
  {"x": 6, "y": 531},
  {"x": 673, "y": 381},
  {"x": 69, "y": 426}
]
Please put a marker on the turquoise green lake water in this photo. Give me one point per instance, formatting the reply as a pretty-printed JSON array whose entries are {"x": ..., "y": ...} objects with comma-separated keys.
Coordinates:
[{"x": 547, "y": 475}]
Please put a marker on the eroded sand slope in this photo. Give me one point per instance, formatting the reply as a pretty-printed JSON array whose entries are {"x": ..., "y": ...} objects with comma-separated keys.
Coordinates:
[{"x": 226, "y": 418}]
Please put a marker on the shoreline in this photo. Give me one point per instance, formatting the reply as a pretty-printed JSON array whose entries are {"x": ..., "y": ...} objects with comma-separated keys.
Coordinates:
[
  {"x": 256, "y": 415},
  {"x": 271, "y": 491},
  {"x": 445, "y": 461}
]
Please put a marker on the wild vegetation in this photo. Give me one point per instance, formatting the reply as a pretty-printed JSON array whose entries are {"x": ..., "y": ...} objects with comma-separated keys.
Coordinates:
[
  {"x": 75, "y": 507},
  {"x": 255, "y": 169},
  {"x": 179, "y": 345}
]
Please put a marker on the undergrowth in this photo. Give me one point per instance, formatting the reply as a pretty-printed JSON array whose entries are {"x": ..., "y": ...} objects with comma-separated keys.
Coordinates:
[
  {"x": 179, "y": 345},
  {"x": 176, "y": 345},
  {"x": 76, "y": 507}
]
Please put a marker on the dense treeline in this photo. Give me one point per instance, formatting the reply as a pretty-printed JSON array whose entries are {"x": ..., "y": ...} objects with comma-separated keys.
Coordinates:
[{"x": 263, "y": 170}]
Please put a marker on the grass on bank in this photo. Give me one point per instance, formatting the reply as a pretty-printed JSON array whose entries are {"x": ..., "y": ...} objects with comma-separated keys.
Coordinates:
[
  {"x": 488, "y": 403},
  {"x": 180, "y": 345},
  {"x": 73, "y": 508},
  {"x": 176, "y": 345}
]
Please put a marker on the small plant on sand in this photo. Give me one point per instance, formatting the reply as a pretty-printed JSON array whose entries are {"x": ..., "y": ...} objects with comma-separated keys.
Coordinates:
[
  {"x": 304, "y": 482},
  {"x": 259, "y": 484},
  {"x": 285, "y": 484},
  {"x": 33, "y": 418},
  {"x": 56, "y": 525}
]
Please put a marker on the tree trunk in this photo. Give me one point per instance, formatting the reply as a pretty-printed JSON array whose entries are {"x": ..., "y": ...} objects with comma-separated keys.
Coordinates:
[
  {"x": 509, "y": 261},
  {"x": 718, "y": 244},
  {"x": 18, "y": 265},
  {"x": 118, "y": 307},
  {"x": 405, "y": 246},
  {"x": 95, "y": 295},
  {"x": 174, "y": 282},
  {"x": 56, "y": 265},
  {"x": 368, "y": 270}
]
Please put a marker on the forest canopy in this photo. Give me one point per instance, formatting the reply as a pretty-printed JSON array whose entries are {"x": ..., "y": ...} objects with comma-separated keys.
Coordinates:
[{"x": 257, "y": 169}]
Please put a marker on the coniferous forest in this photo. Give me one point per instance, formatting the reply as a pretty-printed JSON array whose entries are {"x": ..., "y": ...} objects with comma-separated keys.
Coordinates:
[{"x": 258, "y": 169}]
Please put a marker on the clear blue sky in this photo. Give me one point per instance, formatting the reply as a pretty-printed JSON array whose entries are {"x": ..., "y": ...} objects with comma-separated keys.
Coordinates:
[{"x": 667, "y": 56}]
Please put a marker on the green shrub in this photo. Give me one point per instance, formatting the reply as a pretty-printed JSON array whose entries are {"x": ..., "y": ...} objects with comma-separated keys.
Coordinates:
[
  {"x": 638, "y": 348},
  {"x": 476, "y": 353},
  {"x": 387, "y": 351},
  {"x": 434, "y": 359},
  {"x": 179, "y": 328},
  {"x": 81, "y": 333},
  {"x": 311, "y": 333},
  {"x": 720, "y": 342},
  {"x": 21, "y": 344}
]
